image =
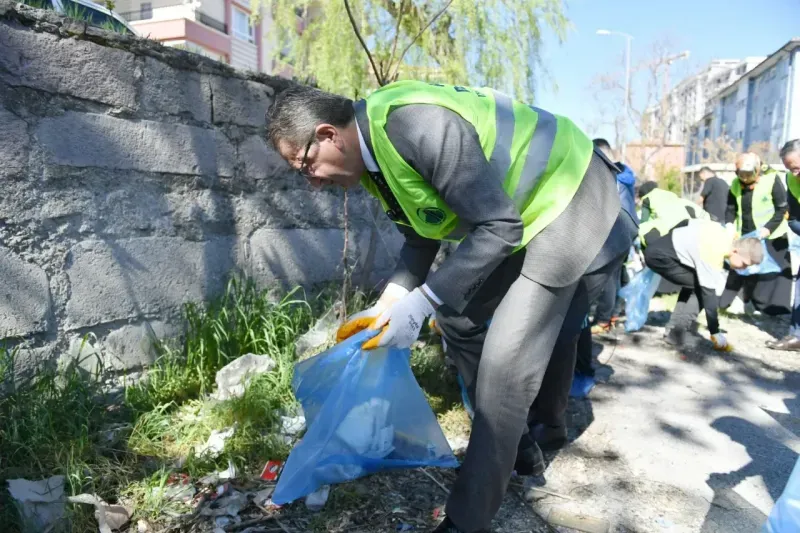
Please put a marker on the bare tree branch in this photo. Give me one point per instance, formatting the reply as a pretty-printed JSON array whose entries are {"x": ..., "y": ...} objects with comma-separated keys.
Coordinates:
[
  {"x": 417, "y": 36},
  {"x": 400, "y": 14},
  {"x": 378, "y": 75}
]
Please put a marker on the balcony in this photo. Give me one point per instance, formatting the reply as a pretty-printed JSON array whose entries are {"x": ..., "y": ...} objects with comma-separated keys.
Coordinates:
[{"x": 175, "y": 11}]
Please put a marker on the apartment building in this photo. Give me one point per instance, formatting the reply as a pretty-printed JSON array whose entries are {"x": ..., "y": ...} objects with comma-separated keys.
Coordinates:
[
  {"x": 686, "y": 104},
  {"x": 762, "y": 106},
  {"x": 219, "y": 29}
]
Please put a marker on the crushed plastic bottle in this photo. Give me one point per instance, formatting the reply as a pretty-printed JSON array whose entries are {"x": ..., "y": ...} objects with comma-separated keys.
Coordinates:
[{"x": 316, "y": 500}]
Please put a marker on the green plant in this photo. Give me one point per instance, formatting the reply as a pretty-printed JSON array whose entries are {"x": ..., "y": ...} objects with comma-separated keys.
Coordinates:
[
  {"x": 245, "y": 319},
  {"x": 38, "y": 4},
  {"x": 669, "y": 178},
  {"x": 76, "y": 11}
]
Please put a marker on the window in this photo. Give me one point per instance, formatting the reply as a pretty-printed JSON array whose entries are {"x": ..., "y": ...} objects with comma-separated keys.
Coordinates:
[
  {"x": 241, "y": 25},
  {"x": 146, "y": 10},
  {"x": 741, "y": 69}
]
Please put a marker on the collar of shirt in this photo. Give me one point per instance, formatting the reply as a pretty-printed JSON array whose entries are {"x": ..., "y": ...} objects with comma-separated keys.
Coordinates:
[{"x": 369, "y": 162}]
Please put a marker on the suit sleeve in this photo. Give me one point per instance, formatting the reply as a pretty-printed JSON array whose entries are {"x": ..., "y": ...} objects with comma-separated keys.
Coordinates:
[
  {"x": 416, "y": 257},
  {"x": 445, "y": 150}
]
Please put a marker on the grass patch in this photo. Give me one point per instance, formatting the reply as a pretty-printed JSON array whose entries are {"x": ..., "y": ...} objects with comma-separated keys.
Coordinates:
[{"x": 59, "y": 423}]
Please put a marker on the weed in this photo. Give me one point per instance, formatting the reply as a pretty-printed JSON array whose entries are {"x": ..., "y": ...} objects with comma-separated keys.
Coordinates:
[
  {"x": 38, "y": 4},
  {"x": 244, "y": 320}
]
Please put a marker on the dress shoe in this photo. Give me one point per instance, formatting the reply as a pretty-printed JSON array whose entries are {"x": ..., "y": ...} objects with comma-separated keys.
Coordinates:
[
  {"x": 789, "y": 344},
  {"x": 549, "y": 438},
  {"x": 447, "y": 526},
  {"x": 530, "y": 461}
]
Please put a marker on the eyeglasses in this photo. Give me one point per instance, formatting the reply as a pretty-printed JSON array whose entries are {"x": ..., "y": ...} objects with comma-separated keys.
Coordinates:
[{"x": 304, "y": 170}]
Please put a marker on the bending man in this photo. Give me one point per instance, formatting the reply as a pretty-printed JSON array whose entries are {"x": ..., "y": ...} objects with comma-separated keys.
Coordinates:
[{"x": 538, "y": 216}]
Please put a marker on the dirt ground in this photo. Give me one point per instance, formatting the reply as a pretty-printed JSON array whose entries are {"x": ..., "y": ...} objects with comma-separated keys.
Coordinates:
[{"x": 668, "y": 441}]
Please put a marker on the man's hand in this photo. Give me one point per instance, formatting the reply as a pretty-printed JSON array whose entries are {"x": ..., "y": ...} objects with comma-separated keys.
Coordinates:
[
  {"x": 361, "y": 321},
  {"x": 720, "y": 343},
  {"x": 763, "y": 233},
  {"x": 402, "y": 321}
]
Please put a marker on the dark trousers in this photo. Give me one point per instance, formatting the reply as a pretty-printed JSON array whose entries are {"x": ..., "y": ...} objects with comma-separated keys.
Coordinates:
[
  {"x": 795, "y": 327},
  {"x": 607, "y": 300},
  {"x": 660, "y": 257}
]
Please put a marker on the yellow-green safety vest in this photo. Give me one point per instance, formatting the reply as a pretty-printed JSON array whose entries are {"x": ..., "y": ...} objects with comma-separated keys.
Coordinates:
[
  {"x": 793, "y": 184},
  {"x": 762, "y": 206},
  {"x": 667, "y": 210},
  {"x": 540, "y": 157}
]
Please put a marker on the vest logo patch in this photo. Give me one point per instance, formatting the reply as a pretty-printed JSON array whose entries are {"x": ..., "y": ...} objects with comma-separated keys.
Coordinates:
[{"x": 431, "y": 215}]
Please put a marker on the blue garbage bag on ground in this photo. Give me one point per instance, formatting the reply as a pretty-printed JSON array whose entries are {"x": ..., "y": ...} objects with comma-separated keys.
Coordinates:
[
  {"x": 767, "y": 266},
  {"x": 785, "y": 516},
  {"x": 365, "y": 413},
  {"x": 637, "y": 295}
]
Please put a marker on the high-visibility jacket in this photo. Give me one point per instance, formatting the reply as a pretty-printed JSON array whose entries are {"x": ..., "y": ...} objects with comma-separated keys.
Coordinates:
[
  {"x": 667, "y": 210},
  {"x": 541, "y": 158},
  {"x": 793, "y": 184},
  {"x": 762, "y": 206}
]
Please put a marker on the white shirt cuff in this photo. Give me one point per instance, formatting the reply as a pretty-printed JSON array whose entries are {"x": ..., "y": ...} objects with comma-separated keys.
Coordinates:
[{"x": 432, "y": 294}]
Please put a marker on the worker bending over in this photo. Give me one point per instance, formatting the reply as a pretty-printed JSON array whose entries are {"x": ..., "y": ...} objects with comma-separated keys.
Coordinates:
[
  {"x": 538, "y": 217},
  {"x": 693, "y": 256}
]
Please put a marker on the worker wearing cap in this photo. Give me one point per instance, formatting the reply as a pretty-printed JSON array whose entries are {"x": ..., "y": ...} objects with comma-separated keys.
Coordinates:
[
  {"x": 537, "y": 215},
  {"x": 757, "y": 203}
]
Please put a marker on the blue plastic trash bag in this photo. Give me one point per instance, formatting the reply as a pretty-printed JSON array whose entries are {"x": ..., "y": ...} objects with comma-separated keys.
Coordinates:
[
  {"x": 637, "y": 295},
  {"x": 767, "y": 266},
  {"x": 365, "y": 413},
  {"x": 785, "y": 516}
]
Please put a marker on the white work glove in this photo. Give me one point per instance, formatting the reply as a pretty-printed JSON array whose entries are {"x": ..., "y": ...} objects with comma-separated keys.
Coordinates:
[
  {"x": 402, "y": 322},
  {"x": 364, "y": 319},
  {"x": 763, "y": 233},
  {"x": 721, "y": 343}
]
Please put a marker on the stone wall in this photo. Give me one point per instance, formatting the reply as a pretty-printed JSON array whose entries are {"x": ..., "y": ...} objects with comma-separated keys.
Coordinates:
[{"x": 135, "y": 178}]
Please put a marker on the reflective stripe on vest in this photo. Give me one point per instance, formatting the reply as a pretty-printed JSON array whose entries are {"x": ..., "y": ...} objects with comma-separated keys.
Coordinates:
[
  {"x": 539, "y": 149},
  {"x": 540, "y": 158}
]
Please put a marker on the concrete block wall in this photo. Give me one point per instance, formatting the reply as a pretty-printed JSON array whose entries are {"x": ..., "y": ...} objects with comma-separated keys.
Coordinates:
[{"x": 135, "y": 178}]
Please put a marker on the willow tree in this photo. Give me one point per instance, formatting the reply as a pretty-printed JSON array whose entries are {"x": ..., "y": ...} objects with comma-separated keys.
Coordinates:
[{"x": 493, "y": 43}]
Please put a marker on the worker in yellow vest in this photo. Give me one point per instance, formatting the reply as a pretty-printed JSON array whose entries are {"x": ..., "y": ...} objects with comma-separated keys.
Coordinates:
[
  {"x": 790, "y": 154},
  {"x": 536, "y": 212},
  {"x": 757, "y": 203},
  {"x": 662, "y": 211}
]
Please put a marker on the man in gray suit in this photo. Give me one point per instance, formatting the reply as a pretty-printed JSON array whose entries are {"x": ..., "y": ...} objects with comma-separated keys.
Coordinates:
[{"x": 538, "y": 218}]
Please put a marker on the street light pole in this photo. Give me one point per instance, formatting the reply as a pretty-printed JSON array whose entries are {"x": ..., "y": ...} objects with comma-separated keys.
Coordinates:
[{"x": 628, "y": 39}]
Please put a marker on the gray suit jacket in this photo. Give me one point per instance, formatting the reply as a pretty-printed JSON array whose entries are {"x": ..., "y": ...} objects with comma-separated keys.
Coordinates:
[{"x": 445, "y": 150}]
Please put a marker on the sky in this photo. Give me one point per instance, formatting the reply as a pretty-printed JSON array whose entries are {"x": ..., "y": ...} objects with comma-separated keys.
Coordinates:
[{"x": 708, "y": 29}]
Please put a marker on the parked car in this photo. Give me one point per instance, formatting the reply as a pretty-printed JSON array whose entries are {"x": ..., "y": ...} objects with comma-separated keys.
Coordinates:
[{"x": 93, "y": 13}]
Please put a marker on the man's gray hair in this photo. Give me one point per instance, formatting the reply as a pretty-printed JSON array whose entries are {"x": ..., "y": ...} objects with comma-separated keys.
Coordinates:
[
  {"x": 751, "y": 248},
  {"x": 791, "y": 147},
  {"x": 297, "y": 111}
]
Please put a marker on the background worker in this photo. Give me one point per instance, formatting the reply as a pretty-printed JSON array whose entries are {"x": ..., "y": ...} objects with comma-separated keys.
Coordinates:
[
  {"x": 714, "y": 195},
  {"x": 539, "y": 222},
  {"x": 757, "y": 203},
  {"x": 693, "y": 257},
  {"x": 607, "y": 309},
  {"x": 662, "y": 211},
  {"x": 790, "y": 155}
]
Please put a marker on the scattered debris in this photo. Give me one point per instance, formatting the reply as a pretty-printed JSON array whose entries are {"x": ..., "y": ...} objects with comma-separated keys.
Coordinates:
[
  {"x": 262, "y": 497},
  {"x": 215, "y": 443},
  {"x": 271, "y": 470},
  {"x": 216, "y": 477},
  {"x": 233, "y": 378},
  {"x": 319, "y": 335},
  {"x": 317, "y": 500},
  {"x": 40, "y": 503},
  {"x": 109, "y": 517},
  {"x": 228, "y": 505},
  {"x": 179, "y": 488},
  {"x": 458, "y": 444},
  {"x": 293, "y": 425}
]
